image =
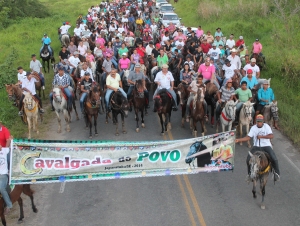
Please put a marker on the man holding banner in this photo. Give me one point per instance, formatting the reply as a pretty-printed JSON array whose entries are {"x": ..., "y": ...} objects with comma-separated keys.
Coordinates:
[{"x": 5, "y": 139}]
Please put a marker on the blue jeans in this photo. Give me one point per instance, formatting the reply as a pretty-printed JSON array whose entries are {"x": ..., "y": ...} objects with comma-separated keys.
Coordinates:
[
  {"x": 122, "y": 73},
  {"x": 42, "y": 78},
  {"x": 109, "y": 92},
  {"x": 49, "y": 48},
  {"x": 172, "y": 92},
  {"x": 103, "y": 79},
  {"x": 3, "y": 191},
  {"x": 114, "y": 61},
  {"x": 69, "y": 95},
  {"x": 82, "y": 99}
]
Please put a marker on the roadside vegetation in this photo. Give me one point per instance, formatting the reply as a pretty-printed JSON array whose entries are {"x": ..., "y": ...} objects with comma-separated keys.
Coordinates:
[{"x": 276, "y": 24}]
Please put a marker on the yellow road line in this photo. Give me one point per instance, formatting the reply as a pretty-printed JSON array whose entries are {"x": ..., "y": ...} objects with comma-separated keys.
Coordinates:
[
  {"x": 186, "y": 201},
  {"x": 191, "y": 192},
  {"x": 194, "y": 200}
]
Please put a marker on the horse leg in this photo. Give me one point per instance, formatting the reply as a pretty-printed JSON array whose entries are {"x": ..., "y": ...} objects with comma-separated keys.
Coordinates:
[
  {"x": 161, "y": 123},
  {"x": 212, "y": 115},
  {"x": 95, "y": 123},
  {"x": 3, "y": 217},
  {"x": 166, "y": 121},
  {"x": 142, "y": 116},
  {"x": 48, "y": 63},
  {"x": 263, "y": 191},
  {"x": 136, "y": 110},
  {"x": 254, "y": 189},
  {"x": 195, "y": 128},
  {"x": 183, "y": 107},
  {"x": 20, "y": 202},
  {"x": 27, "y": 191},
  {"x": 74, "y": 107},
  {"x": 247, "y": 130},
  {"x": 59, "y": 122},
  {"x": 169, "y": 120},
  {"x": 67, "y": 119},
  {"x": 29, "y": 127},
  {"x": 91, "y": 125},
  {"x": 35, "y": 124},
  {"x": 123, "y": 124},
  {"x": 240, "y": 129},
  {"x": 203, "y": 127}
]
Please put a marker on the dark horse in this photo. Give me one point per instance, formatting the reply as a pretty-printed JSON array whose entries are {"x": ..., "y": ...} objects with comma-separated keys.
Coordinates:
[
  {"x": 183, "y": 93},
  {"x": 260, "y": 167},
  {"x": 198, "y": 112},
  {"x": 163, "y": 106},
  {"x": 210, "y": 98},
  {"x": 15, "y": 195},
  {"x": 260, "y": 60},
  {"x": 139, "y": 102},
  {"x": 119, "y": 105},
  {"x": 46, "y": 57},
  {"x": 92, "y": 108}
]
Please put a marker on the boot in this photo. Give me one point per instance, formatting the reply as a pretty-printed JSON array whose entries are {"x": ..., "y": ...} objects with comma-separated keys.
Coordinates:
[{"x": 174, "y": 107}]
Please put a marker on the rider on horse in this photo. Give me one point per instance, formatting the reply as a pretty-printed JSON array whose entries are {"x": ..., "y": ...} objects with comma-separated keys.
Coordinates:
[
  {"x": 114, "y": 84},
  {"x": 46, "y": 41},
  {"x": 62, "y": 80},
  {"x": 251, "y": 81},
  {"x": 261, "y": 134},
  {"x": 132, "y": 78},
  {"x": 165, "y": 80},
  {"x": 28, "y": 86},
  {"x": 35, "y": 65},
  {"x": 86, "y": 85}
]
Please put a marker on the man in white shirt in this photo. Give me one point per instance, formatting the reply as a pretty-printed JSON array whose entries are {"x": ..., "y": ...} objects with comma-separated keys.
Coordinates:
[
  {"x": 28, "y": 86},
  {"x": 64, "y": 28},
  {"x": 230, "y": 43},
  {"x": 149, "y": 48},
  {"x": 179, "y": 42},
  {"x": 77, "y": 31},
  {"x": 21, "y": 75},
  {"x": 261, "y": 134},
  {"x": 228, "y": 71},
  {"x": 84, "y": 69},
  {"x": 255, "y": 69},
  {"x": 235, "y": 59},
  {"x": 35, "y": 65},
  {"x": 214, "y": 53},
  {"x": 74, "y": 61},
  {"x": 165, "y": 80}
]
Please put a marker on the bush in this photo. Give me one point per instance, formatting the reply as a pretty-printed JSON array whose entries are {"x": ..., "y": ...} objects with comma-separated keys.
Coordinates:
[{"x": 7, "y": 70}]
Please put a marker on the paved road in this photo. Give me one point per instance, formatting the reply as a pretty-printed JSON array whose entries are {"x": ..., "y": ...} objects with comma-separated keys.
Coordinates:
[{"x": 204, "y": 199}]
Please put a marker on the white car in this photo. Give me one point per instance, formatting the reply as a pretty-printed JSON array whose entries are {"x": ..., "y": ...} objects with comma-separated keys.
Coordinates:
[
  {"x": 166, "y": 18},
  {"x": 159, "y": 2},
  {"x": 184, "y": 29},
  {"x": 166, "y": 8}
]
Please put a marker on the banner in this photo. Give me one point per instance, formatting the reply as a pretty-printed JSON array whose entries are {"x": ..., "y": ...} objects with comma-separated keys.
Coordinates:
[{"x": 46, "y": 161}]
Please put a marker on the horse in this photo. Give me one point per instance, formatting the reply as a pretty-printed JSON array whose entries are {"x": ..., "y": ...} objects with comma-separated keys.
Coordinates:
[
  {"x": 260, "y": 60},
  {"x": 46, "y": 57},
  {"x": 99, "y": 70},
  {"x": 31, "y": 110},
  {"x": 15, "y": 195},
  {"x": 119, "y": 105},
  {"x": 65, "y": 40},
  {"x": 197, "y": 112},
  {"x": 236, "y": 81},
  {"x": 139, "y": 103},
  {"x": 38, "y": 84},
  {"x": 92, "y": 107},
  {"x": 270, "y": 112},
  {"x": 60, "y": 105},
  {"x": 183, "y": 93},
  {"x": 210, "y": 98},
  {"x": 260, "y": 167},
  {"x": 163, "y": 106},
  {"x": 227, "y": 115},
  {"x": 175, "y": 1},
  {"x": 245, "y": 118}
]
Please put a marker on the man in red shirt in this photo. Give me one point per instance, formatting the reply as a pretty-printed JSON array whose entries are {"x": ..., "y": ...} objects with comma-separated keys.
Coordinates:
[
  {"x": 205, "y": 46},
  {"x": 4, "y": 136},
  {"x": 240, "y": 42},
  {"x": 141, "y": 50}
]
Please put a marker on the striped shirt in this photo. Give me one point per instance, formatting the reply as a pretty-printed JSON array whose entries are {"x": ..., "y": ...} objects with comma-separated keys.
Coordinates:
[{"x": 226, "y": 94}]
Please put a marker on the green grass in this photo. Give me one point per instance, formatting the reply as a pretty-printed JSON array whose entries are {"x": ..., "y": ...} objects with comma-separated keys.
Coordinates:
[{"x": 269, "y": 29}]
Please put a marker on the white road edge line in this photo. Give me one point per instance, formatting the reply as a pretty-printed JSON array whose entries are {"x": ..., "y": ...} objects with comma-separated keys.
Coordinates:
[
  {"x": 291, "y": 162},
  {"x": 62, "y": 187}
]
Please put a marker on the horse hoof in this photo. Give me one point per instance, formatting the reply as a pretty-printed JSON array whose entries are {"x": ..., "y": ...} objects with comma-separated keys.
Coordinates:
[
  {"x": 137, "y": 130},
  {"x": 106, "y": 122},
  {"x": 241, "y": 144},
  {"x": 90, "y": 137},
  {"x": 77, "y": 118},
  {"x": 58, "y": 131},
  {"x": 124, "y": 132},
  {"x": 117, "y": 134},
  {"x": 35, "y": 210},
  {"x": 86, "y": 128},
  {"x": 263, "y": 207},
  {"x": 162, "y": 134},
  {"x": 202, "y": 134},
  {"x": 20, "y": 221},
  {"x": 96, "y": 134},
  {"x": 143, "y": 125},
  {"x": 68, "y": 130},
  {"x": 249, "y": 146}
]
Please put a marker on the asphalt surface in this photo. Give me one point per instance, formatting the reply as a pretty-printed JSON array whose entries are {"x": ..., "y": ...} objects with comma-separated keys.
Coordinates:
[{"x": 222, "y": 198}]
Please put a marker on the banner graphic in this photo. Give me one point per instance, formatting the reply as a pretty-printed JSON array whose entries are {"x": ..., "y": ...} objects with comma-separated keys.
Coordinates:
[{"x": 47, "y": 161}]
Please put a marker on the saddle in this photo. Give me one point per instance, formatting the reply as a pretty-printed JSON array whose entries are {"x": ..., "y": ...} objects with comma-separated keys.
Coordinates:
[
  {"x": 36, "y": 76},
  {"x": 166, "y": 91},
  {"x": 65, "y": 95}
]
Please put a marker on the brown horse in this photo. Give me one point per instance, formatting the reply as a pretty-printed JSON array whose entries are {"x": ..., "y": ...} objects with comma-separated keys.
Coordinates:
[
  {"x": 163, "y": 106},
  {"x": 198, "y": 112},
  {"x": 260, "y": 61},
  {"x": 139, "y": 103},
  {"x": 236, "y": 81},
  {"x": 38, "y": 84},
  {"x": 260, "y": 166},
  {"x": 15, "y": 195},
  {"x": 210, "y": 98},
  {"x": 14, "y": 94},
  {"x": 183, "y": 93},
  {"x": 92, "y": 108}
]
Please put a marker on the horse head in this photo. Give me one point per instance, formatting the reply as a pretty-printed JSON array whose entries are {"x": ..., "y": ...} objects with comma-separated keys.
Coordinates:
[
  {"x": 254, "y": 163},
  {"x": 139, "y": 88},
  {"x": 158, "y": 103},
  {"x": 57, "y": 96},
  {"x": 94, "y": 95},
  {"x": 29, "y": 102},
  {"x": 230, "y": 109},
  {"x": 10, "y": 91},
  {"x": 247, "y": 110},
  {"x": 182, "y": 92}
]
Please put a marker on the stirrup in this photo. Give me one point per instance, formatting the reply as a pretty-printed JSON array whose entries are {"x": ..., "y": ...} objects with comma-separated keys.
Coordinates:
[{"x": 276, "y": 176}]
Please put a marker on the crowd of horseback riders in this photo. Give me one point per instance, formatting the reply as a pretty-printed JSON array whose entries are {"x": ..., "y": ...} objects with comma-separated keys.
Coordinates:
[{"x": 120, "y": 50}]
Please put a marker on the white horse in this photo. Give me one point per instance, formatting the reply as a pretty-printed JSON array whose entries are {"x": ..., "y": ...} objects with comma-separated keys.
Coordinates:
[
  {"x": 65, "y": 40},
  {"x": 245, "y": 119},
  {"x": 227, "y": 115},
  {"x": 60, "y": 105},
  {"x": 31, "y": 110}
]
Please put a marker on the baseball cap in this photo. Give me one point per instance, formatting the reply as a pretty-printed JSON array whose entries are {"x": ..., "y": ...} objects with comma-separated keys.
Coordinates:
[
  {"x": 45, "y": 34},
  {"x": 241, "y": 37},
  {"x": 259, "y": 118},
  {"x": 60, "y": 68},
  {"x": 253, "y": 60},
  {"x": 86, "y": 73},
  {"x": 214, "y": 44},
  {"x": 257, "y": 39},
  {"x": 150, "y": 42},
  {"x": 137, "y": 65},
  {"x": 233, "y": 50},
  {"x": 266, "y": 82},
  {"x": 75, "y": 53},
  {"x": 227, "y": 61},
  {"x": 124, "y": 54},
  {"x": 157, "y": 45},
  {"x": 164, "y": 66},
  {"x": 249, "y": 71}
]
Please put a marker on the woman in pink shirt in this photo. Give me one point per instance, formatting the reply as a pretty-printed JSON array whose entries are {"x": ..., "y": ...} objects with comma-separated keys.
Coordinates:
[
  {"x": 124, "y": 64},
  {"x": 199, "y": 32},
  {"x": 100, "y": 40}
]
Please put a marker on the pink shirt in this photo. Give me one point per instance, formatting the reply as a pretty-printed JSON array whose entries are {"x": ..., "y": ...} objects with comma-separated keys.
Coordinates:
[
  {"x": 124, "y": 63},
  {"x": 206, "y": 71},
  {"x": 100, "y": 41},
  {"x": 199, "y": 33},
  {"x": 257, "y": 47},
  {"x": 180, "y": 36},
  {"x": 90, "y": 58}
]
